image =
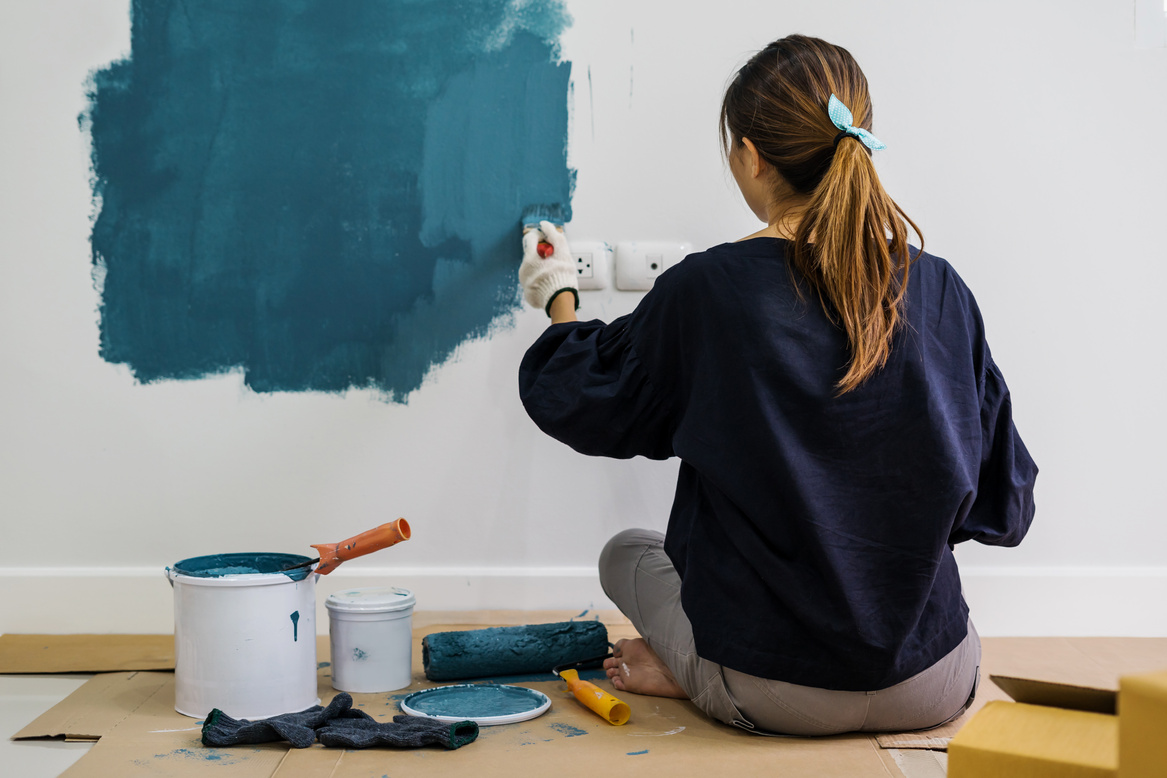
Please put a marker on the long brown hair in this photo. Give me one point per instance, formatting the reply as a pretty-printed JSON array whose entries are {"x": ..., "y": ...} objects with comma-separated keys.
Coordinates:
[{"x": 858, "y": 261}]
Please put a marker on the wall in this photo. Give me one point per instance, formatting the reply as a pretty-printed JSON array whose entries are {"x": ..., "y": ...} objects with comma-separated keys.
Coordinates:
[{"x": 1023, "y": 138}]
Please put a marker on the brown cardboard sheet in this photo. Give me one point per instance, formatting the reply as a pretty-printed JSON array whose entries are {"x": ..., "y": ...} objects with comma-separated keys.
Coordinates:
[
  {"x": 142, "y": 735},
  {"x": 134, "y": 717},
  {"x": 95, "y": 709},
  {"x": 85, "y": 653}
]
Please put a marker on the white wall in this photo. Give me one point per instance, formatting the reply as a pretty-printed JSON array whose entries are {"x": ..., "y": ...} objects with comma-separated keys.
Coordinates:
[{"x": 1024, "y": 137}]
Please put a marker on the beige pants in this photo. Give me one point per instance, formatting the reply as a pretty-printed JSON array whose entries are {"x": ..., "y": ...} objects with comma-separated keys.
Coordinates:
[{"x": 638, "y": 576}]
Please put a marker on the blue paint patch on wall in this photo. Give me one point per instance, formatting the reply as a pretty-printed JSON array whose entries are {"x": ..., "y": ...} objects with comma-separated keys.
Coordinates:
[{"x": 326, "y": 195}]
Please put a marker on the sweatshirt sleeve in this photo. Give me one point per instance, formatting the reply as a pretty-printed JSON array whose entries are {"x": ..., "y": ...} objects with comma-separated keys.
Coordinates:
[
  {"x": 1003, "y": 508},
  {"x": 584, "y": 384}
]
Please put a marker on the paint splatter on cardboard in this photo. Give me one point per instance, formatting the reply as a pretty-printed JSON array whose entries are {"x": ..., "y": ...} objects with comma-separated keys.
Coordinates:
[{"x": 323, "y": 195}]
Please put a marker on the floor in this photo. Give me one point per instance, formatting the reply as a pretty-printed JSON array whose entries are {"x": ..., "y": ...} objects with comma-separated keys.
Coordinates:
[
  {"x": 1086, "y": 661},
  {"x": 22, "y": 699}
]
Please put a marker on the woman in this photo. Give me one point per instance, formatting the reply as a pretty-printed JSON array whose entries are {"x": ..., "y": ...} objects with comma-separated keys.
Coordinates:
[{"x": 840, "y": 422}]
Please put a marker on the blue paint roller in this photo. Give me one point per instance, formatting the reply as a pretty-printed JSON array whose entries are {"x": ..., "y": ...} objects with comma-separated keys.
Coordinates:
[{"x": 500, "y": 651}]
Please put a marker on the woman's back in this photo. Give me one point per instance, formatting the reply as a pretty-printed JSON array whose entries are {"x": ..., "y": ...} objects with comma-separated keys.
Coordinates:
[{"x": 811, "y": 528}]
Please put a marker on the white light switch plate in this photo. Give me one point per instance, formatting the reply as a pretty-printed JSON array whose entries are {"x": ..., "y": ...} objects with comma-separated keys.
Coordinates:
[{"x": 638, "y": 263}]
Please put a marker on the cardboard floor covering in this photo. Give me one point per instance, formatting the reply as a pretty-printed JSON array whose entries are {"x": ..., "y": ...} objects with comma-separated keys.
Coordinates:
[{"x": 131, "y": 714}]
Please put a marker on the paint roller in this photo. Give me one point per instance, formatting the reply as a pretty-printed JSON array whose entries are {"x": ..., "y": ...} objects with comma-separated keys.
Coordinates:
[
  {"x": 332, "y": 554},
  {"x": 534, "y": 648}
]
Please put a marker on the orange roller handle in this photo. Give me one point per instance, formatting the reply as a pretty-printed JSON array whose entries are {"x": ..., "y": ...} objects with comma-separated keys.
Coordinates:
[
  {"x": 332, "y": 554},
  {"x": 596, "y": 699}
]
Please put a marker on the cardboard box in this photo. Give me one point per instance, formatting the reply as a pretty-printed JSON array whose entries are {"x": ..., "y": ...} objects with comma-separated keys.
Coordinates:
[
  {"x": 1056, "y": 730},
  {"x": 1018, "y": 740},
  {"x": 1142, "y": 725}
]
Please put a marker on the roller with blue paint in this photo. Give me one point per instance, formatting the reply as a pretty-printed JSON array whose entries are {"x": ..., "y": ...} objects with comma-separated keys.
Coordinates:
[{"x": 507, "y": 651}]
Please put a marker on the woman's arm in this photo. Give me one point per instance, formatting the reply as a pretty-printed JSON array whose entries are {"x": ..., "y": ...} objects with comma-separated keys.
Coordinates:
[{"x": 563, "y": 308}]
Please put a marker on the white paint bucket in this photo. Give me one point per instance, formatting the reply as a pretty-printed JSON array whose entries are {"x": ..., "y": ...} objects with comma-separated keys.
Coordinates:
[
  {"x": 371, "y": 634},
  {"x": 244, "y": 636}
]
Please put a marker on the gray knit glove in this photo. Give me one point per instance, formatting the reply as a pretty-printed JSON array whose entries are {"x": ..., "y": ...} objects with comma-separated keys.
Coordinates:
[
  {"x": 299, "y": 729},
  {"x": 542, "y": 278},
  {"x": 403, "y": 732}
]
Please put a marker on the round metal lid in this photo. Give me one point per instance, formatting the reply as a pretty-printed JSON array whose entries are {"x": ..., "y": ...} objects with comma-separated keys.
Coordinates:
[{"x": 486, "y": 704}]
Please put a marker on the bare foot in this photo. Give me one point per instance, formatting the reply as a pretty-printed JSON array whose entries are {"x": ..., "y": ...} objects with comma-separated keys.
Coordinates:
[{"x": 635, "y": 667}]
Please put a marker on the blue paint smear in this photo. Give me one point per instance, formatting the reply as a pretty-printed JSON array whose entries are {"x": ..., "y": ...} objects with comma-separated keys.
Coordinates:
[
  {"x": 325, "y": 195},
  {"x": 568, "y": 730},
  {"x": 204, "y": 755},
  {"x": 295, "y": 626},
  {"x": 359, "y": 654},
  {"x": 252, "y": 563},
  {"x": 637, "y": 753}
]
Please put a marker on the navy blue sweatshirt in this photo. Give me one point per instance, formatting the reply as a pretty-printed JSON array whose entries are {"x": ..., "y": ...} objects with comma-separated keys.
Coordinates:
[{"x": 812, "y": 532}]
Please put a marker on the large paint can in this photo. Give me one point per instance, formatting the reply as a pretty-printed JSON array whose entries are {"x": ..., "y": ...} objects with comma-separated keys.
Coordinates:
[
  {"x": 244, "y": 635},
  {"x": 371, "y": 634}
]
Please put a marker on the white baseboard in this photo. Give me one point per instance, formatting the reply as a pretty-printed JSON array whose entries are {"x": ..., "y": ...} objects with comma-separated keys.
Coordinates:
[{"x": 1080, "y": 601}]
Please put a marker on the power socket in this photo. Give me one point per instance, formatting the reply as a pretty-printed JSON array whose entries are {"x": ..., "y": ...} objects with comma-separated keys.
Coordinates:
[
  {"x": 593, "y": 262},
  {"x": 638, "y": 263}
]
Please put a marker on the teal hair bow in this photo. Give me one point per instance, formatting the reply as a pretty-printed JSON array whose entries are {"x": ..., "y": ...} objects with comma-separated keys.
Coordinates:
[{"x": 841, "y": 117}]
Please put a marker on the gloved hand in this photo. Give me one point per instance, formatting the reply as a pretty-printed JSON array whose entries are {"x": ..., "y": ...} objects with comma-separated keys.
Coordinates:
[
  {"x": 543, "y": 278},
  {"x": 299, "y": 729},
  {"x": 403, "y": 732}
]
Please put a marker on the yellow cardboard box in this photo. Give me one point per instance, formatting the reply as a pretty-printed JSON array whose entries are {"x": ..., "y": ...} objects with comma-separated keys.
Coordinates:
[
  {"x": 1062, "y": 731},
  {"x": 1142, "y": 725}
]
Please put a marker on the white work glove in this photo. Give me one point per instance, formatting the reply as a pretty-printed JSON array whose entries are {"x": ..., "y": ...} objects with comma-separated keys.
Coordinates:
[{"x": 543, "y": 278}]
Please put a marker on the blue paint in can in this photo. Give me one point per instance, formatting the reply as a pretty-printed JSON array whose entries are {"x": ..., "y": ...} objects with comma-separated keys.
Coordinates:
[{"x": 220, "y": 565}]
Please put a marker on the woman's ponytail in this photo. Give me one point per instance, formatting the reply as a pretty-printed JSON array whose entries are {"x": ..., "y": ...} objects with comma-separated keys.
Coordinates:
[
  {"x": 852, "y": 263},
  {"x": 851, "y": 245}
]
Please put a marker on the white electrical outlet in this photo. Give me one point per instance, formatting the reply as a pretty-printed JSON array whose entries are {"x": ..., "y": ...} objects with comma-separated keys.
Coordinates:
[
  {"x": 593, "y": 262},
  {"x": 638, "y": 263}
]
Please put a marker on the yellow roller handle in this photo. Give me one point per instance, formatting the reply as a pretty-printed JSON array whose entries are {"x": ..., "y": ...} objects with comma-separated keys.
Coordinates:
[{"x": 599, "y": 701}]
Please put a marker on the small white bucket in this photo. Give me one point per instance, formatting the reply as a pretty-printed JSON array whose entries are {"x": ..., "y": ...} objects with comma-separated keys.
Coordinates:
[
  {"x": 371, "y": 634},
  {"x": 244, "y": 637}
]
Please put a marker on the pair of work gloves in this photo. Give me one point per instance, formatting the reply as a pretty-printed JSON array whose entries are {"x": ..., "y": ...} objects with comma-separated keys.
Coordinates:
[
  {"x": 543, "y": 278},
  {"x": 337, "y": 726}
]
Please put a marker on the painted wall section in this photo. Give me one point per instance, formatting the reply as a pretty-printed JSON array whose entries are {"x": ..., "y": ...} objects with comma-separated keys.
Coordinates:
[{"x": 324, "y": 194}]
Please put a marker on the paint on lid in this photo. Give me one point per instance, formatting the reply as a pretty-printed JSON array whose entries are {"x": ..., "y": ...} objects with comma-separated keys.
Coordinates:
[
  {"x": 486, "y": 704},
  {"x": 372, "y": 599}
]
